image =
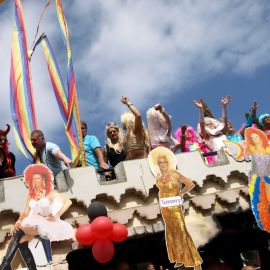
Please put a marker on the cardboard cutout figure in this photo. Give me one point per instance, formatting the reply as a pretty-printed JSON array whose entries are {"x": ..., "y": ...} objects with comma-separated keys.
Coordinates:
[
  {"x": 172, "y": 186},
  {"x": 256, "y": 146},
  {"x": 40, "y": 218}
]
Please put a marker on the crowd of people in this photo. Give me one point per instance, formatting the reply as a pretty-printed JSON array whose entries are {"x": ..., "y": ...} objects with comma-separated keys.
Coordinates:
[{"x": 134, "y": 140}]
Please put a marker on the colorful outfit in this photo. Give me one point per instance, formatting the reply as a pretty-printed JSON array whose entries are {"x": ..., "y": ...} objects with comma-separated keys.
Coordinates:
[
  {"x": 53, "y": 230},
  {"x": 235, "y": 137},
  {"x": 180, "y": 246},
  {"x": 90, "y": 143},
  {"x": 194, "y": 143},
  {"x": 259, "y": 177}
]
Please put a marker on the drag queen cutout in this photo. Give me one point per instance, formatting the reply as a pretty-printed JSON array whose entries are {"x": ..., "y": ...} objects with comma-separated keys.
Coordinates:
[
  {"x": 256, "y": 146},
  {"x": 41, "y": 216},
  {"x": 172, "y": 186}
]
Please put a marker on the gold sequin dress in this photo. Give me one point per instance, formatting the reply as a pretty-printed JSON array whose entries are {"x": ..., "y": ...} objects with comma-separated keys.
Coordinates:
[{"x": 180, "y": 246}]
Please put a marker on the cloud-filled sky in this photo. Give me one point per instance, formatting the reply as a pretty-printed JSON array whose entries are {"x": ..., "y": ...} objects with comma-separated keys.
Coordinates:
[{"x": 164, "y": 51}]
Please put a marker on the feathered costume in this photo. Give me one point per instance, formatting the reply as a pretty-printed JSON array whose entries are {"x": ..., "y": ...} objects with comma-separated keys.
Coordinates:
[
  {"x": 193, "y": 142},
  {"x": 259, "y": 176}
]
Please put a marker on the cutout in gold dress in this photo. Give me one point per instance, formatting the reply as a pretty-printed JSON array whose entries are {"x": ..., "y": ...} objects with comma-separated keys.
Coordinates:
[{"x": 180, "y": 246}]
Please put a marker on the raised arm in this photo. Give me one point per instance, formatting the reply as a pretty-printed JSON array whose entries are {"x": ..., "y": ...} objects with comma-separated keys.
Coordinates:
[
  {"x": 224, "y": 102},
  {"x": 183, "y": 138},
  {"x": 199, "y": 104},
  {"x": 250, "y": 118},
  {"x": 138, "y": 128},
  {"x": 167, "y": 118}
]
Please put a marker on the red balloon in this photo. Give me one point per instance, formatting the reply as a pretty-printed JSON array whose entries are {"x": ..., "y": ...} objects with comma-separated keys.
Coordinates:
[
  {"x": 119, "y": 232},
  {"x": 102, "y": 227},
  {"x": 103, "y": 250},
  {"x": 84, "y": 235}
]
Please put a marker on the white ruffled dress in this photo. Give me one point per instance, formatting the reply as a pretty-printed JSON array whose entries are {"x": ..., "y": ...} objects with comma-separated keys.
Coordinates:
[{"x": 53, "y": 230}]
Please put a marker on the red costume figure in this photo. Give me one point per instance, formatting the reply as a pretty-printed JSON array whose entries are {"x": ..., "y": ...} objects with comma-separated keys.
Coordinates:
[{"x": 7, "y": 159}]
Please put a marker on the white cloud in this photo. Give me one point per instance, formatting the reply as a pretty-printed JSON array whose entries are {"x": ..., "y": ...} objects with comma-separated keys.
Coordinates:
[{"x": 153, "y": 48}]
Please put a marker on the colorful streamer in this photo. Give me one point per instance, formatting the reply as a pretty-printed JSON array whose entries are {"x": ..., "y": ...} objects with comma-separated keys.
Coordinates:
[
  {"x": 21, "y": 97},
  {"x": 60, "y": 95},
  {"x": 73, "y": 106}
]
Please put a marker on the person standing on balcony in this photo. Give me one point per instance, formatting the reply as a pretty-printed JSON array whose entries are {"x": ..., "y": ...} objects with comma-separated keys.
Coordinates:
[
  {"x": 136, "y": 142},
  {"x": 49, "y": 153},
  {"x": 92, "y": 148},
  {"x": 114, "y": 148}
]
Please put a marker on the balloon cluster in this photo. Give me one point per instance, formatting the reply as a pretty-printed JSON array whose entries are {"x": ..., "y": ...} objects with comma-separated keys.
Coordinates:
[{"x": 100, "y": 233}]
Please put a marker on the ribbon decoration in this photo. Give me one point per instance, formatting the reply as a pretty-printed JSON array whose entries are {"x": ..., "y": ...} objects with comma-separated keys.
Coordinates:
[
  {"x": 73, "y": 106},
  {"x": 21, "y": 96},
  {"x": 59, "y": 91}
]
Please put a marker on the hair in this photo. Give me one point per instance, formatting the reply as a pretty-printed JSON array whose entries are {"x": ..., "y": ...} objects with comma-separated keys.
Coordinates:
[
  {"x": 128, "y": 122},
  {"x": 120, "y": 135},
  {"x": 48, "y": 185},
  {"x": 158, "y": 153},
  {"x": 206, "y": 110},
  {"x": 37, "y": 132},
  {"x": 193, "y": 139},
  {"x": 83, "y": 124},
  {"x": 40, "y": 134},
  {"x": 250, "y": 147}
]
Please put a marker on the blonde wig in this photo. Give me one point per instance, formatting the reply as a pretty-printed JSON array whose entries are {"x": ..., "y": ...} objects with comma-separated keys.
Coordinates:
[
  {"x": 158, "y": 153},
  {"x": 128, "y": 121}
]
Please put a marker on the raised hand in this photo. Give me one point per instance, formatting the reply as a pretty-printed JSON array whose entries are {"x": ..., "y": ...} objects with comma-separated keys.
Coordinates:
[
  {"x": 254, "y": 107},
  {"x": 198, "y": 103},
  {"x": 158, "y": 107},
  {"x": 225, "y": 100},
  {"x": 125, "y": 100}
]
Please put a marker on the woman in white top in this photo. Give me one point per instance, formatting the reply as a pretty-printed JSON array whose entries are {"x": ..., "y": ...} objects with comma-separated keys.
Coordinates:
[{"x": 160, "y": 128}]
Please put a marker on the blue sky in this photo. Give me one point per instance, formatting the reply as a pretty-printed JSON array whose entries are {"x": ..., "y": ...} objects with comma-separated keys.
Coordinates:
[{"x": 153, "y": 51}]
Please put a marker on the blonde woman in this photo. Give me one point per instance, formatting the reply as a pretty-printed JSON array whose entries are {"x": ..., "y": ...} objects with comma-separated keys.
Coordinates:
[
  {"x": 136, "y": 142},
  {"x": 114, "y": 148}
]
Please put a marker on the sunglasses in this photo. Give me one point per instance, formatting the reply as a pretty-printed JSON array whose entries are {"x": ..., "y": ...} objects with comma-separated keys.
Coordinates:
[
  {"x": 111, "y": 124},
  {"x": 3, "y": 140}
]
